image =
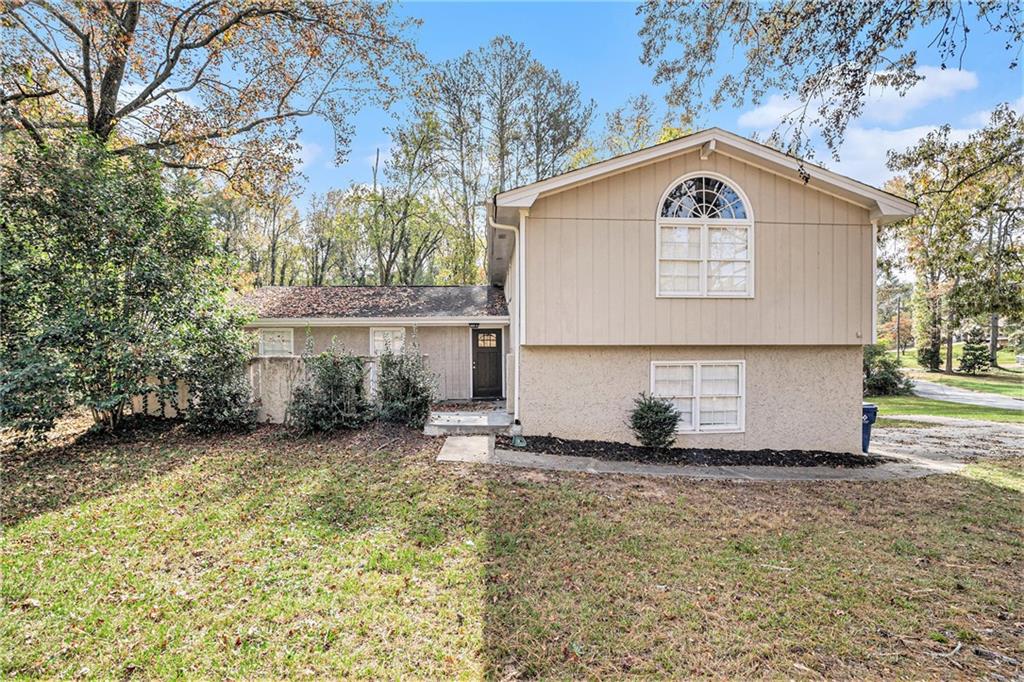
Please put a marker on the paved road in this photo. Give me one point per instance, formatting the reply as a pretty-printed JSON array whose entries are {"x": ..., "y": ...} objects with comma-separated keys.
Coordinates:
[{"x": 930, "y": 389}]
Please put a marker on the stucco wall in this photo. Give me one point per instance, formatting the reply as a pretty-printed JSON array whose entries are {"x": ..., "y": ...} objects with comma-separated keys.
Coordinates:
[{"x": 796, "y": 397}]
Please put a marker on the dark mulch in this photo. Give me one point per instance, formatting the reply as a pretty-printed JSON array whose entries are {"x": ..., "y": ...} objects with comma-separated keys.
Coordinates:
[{"x": 606, "y": 450}]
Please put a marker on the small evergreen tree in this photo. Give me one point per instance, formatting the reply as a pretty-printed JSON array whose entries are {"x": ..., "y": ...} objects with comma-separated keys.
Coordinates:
[
  {"x": 405, "y": 386},
  {"x": 976, "y": 356},
  {"x": 653, "y": 421}
]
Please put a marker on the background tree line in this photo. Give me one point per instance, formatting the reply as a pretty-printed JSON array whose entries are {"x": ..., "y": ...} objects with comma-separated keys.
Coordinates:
[
  {"x": 965, "y": 247},
  {"x": 491, "y": 119}
]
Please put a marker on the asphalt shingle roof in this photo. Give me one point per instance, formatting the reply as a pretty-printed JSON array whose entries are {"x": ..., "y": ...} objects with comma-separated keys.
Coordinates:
[{"x": 390, "y": 301}]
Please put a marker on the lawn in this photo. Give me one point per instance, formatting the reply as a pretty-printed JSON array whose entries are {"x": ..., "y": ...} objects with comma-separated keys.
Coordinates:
[
  {"x": 162, "y": 555},
  {"x": 1006, "y": 380},
  {"x": 913, "y": 405}
]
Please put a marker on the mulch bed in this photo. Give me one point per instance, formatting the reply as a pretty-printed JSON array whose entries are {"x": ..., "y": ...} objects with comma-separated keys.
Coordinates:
[{"x": 606, "y": 450}]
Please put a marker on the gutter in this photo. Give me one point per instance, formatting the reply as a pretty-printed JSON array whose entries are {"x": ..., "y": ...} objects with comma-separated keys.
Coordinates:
[{"x": 492, "y": 221}]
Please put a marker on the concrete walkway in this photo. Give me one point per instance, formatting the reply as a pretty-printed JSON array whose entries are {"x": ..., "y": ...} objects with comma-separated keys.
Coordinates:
[
  {"x": 481, "y": 450},
  {"x": 935, "y": 391}
]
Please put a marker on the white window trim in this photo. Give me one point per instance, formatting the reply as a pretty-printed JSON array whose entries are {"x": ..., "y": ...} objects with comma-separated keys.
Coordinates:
[
  {"x": 697, "y": 365},
  {"x": 291, "y": 342},
  {"x": 372, "y": 352},
  {"x": 748, "y": 223}
]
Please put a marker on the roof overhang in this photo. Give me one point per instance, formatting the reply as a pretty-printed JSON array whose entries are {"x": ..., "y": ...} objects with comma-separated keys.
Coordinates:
[
  {"x": 883, "y": 206},
  {"x": 438, "y": 321}
]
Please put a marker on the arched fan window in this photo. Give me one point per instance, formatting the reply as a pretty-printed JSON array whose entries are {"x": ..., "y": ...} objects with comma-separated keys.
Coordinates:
[
  {"x": 703, "y": 197},
  {"x": 705, "y": 239}
]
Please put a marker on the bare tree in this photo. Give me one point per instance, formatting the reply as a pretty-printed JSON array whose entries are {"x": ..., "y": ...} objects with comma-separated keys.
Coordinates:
[{"x": 158, "y": 74}]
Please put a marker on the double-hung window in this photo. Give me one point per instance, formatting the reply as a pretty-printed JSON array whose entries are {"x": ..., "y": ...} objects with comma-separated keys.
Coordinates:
[
  {"x": 276, "y": 341},
  {"x": 705, "y": 241},
  {"x": 708, "y": 395},
  {"x": 386, "y": 337}
]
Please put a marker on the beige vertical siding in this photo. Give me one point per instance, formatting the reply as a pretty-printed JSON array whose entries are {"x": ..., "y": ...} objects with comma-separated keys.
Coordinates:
[
  {"x": 796, "y": 397},
  {"x": 447, "y": 349},
  {"x": 590, "y": 265}
]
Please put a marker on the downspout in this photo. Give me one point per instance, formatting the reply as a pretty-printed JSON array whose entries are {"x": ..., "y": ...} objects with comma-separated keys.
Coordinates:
[{"x": 514, "y": 229}]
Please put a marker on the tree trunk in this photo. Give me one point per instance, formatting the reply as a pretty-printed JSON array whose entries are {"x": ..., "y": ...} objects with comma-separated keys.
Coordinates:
[
  {"x": 949, "y": 343},
  {"x": 993, "y": 339}
]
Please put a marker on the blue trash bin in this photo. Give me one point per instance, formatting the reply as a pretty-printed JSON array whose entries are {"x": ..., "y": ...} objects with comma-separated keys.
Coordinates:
[{"x": 868, "y": 416}]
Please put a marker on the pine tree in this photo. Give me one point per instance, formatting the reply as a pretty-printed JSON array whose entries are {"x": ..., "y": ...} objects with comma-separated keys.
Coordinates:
[{"x": 976, "y": 356}]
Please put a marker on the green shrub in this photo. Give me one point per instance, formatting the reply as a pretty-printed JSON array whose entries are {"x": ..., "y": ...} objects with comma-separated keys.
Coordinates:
[
  {"x": 975, "y": 357},
  {"x": 219, "y": 391},
  {"x": 882, "y": 373},
  {"x": 405, "y": 386},
  {"x": 653, "y": 421},
  {"x": 333, "y": 396},
  {"x": 104, "y": 266},
  {"x": 1016, "y": 341}
]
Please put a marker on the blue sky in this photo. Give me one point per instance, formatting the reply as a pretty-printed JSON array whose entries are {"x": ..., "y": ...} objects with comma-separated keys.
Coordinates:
[{"x": 597, "y": 45}]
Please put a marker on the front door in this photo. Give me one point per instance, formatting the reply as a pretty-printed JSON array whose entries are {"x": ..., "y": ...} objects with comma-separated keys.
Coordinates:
[{"x": 486, "y": 363}]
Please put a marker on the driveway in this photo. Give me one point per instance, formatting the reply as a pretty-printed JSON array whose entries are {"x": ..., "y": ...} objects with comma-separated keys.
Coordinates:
[
  {"x": 949, "y": 441},
  {"x": 930, "y": 389}
]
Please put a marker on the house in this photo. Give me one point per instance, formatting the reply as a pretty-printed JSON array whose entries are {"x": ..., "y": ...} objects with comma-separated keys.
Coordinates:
[
  {"x": 462, "y": 331},
  {"x": 732, "y": 279}
]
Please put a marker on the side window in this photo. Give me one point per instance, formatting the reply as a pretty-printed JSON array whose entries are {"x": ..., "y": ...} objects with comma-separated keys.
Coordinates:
[
  {"x": 276, "y": 342},
  {"x": 709, "y": 395},
  {"x": 386, "y": 337},
  {"x": 705, "y": 241}
]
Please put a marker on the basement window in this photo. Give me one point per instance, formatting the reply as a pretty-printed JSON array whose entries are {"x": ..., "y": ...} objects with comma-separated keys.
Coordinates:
[{"x": 709, "y": 396}]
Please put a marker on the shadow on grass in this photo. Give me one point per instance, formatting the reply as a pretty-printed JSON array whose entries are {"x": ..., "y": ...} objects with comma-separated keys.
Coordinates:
[
  {"x": 85, "y": 464},
  {"x": 607, "y": 576},
  {"x": 359, "y": 555},
  {"x": 82, "y": 464}
]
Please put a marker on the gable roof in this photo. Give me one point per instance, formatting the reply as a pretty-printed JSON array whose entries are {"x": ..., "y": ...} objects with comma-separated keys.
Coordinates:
[
  {"x": 884, "y": 207},
  {"x": 376, "y": 302}
]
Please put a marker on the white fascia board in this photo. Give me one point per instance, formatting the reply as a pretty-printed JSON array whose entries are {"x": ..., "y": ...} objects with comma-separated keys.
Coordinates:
[
  {"x": 377, "y": 321},
  {"x": 523, "y": 197},
  {"x": 885, "y": 207}
]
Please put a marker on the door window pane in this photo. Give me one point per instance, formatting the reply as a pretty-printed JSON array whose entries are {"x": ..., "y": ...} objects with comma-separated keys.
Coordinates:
[{"x": 487, "y": 340}]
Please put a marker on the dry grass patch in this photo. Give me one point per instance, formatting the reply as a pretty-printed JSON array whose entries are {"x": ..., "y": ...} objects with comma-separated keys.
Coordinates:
[{"x": 358, "y": 555}]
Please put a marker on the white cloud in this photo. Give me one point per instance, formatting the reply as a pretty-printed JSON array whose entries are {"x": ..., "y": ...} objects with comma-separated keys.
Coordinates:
[
  {"x": 864, "y": 151},
  {"x": 881, "y": 105},
  {"x": 980, "y": 118},
  {"x": 885, "y": 105},
  {"x": 769, "y": 114},
  {"x": 308, "y": 153}
]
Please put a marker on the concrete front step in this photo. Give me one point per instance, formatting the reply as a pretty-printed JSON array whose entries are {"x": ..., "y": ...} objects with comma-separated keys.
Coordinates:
[
  {"x": 467, "y": 423},
  {"x": 473, "y": 449}
]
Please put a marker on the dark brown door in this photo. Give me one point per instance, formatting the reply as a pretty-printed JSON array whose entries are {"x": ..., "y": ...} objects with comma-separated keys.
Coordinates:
[{"x": 486, "y": 363}]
